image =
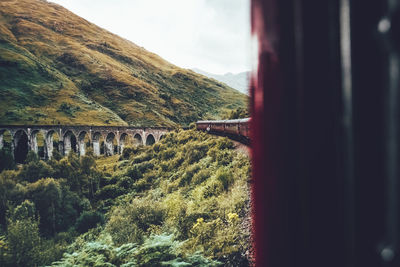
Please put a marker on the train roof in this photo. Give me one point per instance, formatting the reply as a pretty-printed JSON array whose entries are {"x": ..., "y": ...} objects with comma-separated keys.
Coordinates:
[{"x": 225, "y": 121}]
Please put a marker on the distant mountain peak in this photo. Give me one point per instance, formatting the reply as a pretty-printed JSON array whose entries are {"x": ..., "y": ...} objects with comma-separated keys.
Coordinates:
[{"x": 238, "y": 81}]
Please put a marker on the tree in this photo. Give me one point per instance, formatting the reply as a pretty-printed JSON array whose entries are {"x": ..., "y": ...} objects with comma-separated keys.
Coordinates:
[
  {"x": 46, "y": 194},
  {"x": 88, "y": 220},
  {"x": 23, "y": 236},
  {"x": 6, "y": 160},
  {"x": 7, "y": 192},
  {"x": 34, "y": 170},
  {"x": 88, "y": 173},
  {"x": 31, "y": 157}
]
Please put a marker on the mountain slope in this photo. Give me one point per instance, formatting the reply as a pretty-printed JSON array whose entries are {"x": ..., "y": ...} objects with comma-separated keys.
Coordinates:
[
  {"x": 56, "y": 67},
  {"x": 239, "y": 81}
]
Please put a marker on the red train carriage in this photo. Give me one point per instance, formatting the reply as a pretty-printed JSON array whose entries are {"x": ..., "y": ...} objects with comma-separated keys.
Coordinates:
[
  {"x": 232, "y": 127},
  {"x": 244, "y": 127},
  {"x": 217, "y": 126},
  {"x": 203, "y": 125},
  {"x": 237, "y": 129}
]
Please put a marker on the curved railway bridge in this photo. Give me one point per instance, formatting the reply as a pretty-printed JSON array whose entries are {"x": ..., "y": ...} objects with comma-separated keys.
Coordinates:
[{"x": 77, "y": 138}]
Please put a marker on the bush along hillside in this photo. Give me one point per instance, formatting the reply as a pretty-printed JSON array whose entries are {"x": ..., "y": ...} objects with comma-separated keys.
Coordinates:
[
  {"x": 56, "y": 67},
  {"x": 183, "y": 201}
]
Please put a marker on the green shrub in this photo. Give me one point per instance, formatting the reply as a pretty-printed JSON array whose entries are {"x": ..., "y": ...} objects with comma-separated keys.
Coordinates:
[
  {"x": 10, "y": 192},
  {"x": 125, "y": 182},
  {"x": 141, "y": 185},
  {"x": 24, "y": 242},
  {"x": 51, "y": 250},
  {"x": 157, "y": 147},
  {"x": 6, "y": 160},
  {"x": 31, "y": 157},
  {"x": 35, "y": 170},
  {"x": 24, "y": 211},
  {"x": 201, "y": 176},
  {"x": 163, "y": 250},
  {"x": 47, "y": 195},
  {"x": 196, "y": 152},
  {"x": 151, "y": 177},
  {"x": 104, "y": 180},
  {"x": 88, "y": 220},
  {"x": 129, "y": 222},
  {"x": 164, "y": 166},
  {"x": 187, "y": 176},
  {"x": 177, "y": 161},
  {"x": 144, "y": 166},
  {"x": 167, "y": 154},
  {"x": 5, "y": 257},
  {"x": 129, "y": 151},
  {"x": 109, "y": 192},
  {"x": 224, "y": 143},
  {"x": 185, "y": 223},
  {"x": 92, "y": 253},
  {"x": 157, "y": 250},
  {"x": 213, "y": 188},
  {"x": 238, "y": 113},
  {"x": 223, "y": 157},
  {"x": 220, "y": 239},
  {"x": 134, "y": 173},
  {"x": 225, "y": 177},
  {"x": 56, "y": 155},
  {"x": 142, "y": 158}
]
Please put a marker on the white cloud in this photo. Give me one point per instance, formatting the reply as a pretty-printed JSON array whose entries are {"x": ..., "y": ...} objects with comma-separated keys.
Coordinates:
[{"x": 212, "y": 35}]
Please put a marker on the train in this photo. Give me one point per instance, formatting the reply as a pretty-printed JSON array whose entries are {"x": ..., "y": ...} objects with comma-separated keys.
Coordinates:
[{"x": 236, "y": 129}]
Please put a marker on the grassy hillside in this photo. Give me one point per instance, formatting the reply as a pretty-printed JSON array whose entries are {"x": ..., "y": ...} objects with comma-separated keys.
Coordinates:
[
  {"x": 57, "y": 67},
  {"x": 182, "y": 202}
]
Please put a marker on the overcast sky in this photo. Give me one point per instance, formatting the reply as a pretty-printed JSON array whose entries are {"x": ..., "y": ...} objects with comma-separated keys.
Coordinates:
[{"x": 212, "y": 35}]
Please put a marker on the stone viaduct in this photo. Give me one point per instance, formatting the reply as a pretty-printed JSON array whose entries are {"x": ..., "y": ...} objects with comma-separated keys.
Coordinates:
[{"x": 73, "y": 137}]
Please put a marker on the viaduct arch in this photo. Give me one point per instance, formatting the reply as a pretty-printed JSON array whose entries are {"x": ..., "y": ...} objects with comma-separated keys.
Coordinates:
[{"x": 24, "y": 138}]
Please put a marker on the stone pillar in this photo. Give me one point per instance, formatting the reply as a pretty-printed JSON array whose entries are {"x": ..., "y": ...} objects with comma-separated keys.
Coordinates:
[
  {"x": 1, "y": 140},
  {"x": 108, "y": 148},
  {"x": 61, "y": 146},
  {"x": 96, "y": 147},
  {"x": 108, "y": 144},
  {"x": 30, "y": 140},
  {"x": 82, "y": 148},
  {"x": 34, "y": 145},
  {"x": 12, "y": 146},
  {"x": 119, "y": 146},
  {"x": 90, "y": 136},
  {"x": 81, "y": 145},
  {"x": 77, "y": 146},
  {"x": 48, "y": 151},
  {"x": 96, "y": 143},
  {"x": 45, "y": 154},
  {"x": 117, "y": 137},
  {"x": 67, "y": 144}
]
